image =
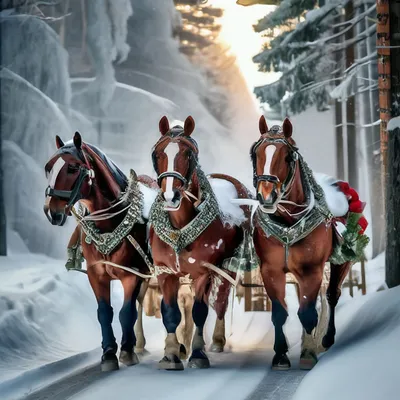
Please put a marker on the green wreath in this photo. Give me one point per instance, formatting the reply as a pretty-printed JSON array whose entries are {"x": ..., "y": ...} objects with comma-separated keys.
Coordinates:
[{"x": 351, "y": 248}]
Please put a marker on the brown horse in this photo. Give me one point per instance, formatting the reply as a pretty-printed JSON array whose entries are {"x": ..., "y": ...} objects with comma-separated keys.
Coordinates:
[
  {"x": 113, "y": 229},
  {"x": 190, "y": 236},
  {"x": 293, "y": 232}
]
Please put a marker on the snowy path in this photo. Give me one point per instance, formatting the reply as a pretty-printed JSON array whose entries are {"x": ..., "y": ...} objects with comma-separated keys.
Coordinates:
[{"x": 233, "y": 375}]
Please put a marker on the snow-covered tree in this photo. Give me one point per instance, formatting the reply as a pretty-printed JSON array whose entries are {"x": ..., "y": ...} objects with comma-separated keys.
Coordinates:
[
  {"x": 302, "y": 51},
  {"x": 198, "y": 28},
  {"x": 3, "y": 227}
]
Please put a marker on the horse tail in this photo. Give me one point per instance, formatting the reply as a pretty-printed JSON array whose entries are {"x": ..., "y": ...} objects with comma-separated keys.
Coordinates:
[{"x": 242, "y": 191}]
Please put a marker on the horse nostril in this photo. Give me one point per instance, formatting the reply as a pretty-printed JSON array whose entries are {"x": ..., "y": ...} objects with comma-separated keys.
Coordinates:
[
  {"x": 177, "y": 195},
  {"x": 260, "y": 198}
]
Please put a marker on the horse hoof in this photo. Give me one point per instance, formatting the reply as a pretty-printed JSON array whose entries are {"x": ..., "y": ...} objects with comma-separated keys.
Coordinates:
[
  {"x": 199, "y": 359},
  {"x": 171, "y": 363},
  {"x": 217, "y": 348},
  {"x": 141, "y": 351},
  {"x": 182, "y": 352},
  {"x": 280, "y": 362},
  {"x": 327, "y": 342},
  {"x": 308, "y": 359},
  {"x": 128, "y": 358},
  {"x": 109, "y": 362}
]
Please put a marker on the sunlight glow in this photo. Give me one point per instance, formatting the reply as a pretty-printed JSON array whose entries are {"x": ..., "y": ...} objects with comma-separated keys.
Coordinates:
[{"x": 237, "y": 32}]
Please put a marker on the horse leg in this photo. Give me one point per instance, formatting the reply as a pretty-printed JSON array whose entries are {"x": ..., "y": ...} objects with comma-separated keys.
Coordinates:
[
  {"x": 338, "y": 274},
  {"x": 171, "y": 316},
  {"x": 309, "y": 287},
  {"x": 139, "y": 332},
  {"x": 323, "y": 315},
  {"x": 101, "y": 288},
  {"x": 127, "y": 317},
  {"x": 185, "y": 328},
  {"x": 198, "y": 358},
  {"x": 218, "y": 338},
  {"x": 275, "y": 285}
]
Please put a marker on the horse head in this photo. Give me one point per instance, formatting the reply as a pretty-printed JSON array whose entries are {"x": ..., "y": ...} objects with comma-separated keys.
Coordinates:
[
  {"x": 175, "y": 158},
  {"x": 74, "y": 172},
  {"x": 274, "y": 158}
]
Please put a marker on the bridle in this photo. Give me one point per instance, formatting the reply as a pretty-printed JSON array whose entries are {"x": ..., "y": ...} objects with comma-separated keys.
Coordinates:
[
  {"x": 73, "y": 195},
  {"x": 293, "y": 157},
  {"x": 193, "y": 159}
]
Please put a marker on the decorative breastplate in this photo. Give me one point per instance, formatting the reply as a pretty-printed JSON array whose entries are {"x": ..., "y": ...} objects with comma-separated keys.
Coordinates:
[{"x": 179, "y": 239}]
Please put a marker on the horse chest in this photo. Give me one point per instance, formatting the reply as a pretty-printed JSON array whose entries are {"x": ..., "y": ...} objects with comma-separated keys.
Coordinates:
[{"x": 211, "y": 247}]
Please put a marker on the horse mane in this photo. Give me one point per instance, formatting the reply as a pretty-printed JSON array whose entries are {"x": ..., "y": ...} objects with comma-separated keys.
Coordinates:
[{"x": 119, "y": 177}]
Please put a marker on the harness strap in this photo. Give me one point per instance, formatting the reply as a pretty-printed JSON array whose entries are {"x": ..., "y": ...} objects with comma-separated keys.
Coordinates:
[
  {"x": 136, "y": 245},
  {"x": 132, "y": 271}
]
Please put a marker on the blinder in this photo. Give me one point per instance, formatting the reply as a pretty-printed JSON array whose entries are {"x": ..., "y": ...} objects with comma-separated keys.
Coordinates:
[{"x": 72, "y": 196}]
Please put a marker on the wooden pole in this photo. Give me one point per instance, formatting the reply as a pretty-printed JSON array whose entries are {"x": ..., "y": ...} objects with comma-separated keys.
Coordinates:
[{"x": 384, "y": 79}]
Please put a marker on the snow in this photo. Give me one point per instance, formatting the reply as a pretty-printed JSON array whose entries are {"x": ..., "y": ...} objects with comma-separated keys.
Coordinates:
[
  {"x": 149, "y": 195},
  {"x": 47, "y": 69},
  {"x": 225, "y": 191},
  {"x": 31, "y": 309},
  {"x": 335, "y": 199},
  {"x": 191, "y": 260},
  {"x": 363, "y": 364},
  {"x": 393, "y": 124}
]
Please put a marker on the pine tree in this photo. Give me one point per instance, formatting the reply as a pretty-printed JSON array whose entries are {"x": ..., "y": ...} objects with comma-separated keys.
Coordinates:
[
  {"x": 301, "y": 51},
  {"x": 199, "y": 28}
]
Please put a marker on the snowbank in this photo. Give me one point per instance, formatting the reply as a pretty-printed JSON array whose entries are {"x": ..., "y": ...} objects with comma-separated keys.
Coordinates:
[
  {"x": 41, "y": 320},
  {"x": 363, "y": 364}
]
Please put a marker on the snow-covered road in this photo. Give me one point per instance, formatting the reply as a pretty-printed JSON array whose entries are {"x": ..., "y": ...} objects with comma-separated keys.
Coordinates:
[{"x": 233, "y": 375}]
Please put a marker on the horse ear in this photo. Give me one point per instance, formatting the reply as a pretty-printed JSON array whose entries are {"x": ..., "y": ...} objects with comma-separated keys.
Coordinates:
[
  {"x": 78, "y": 140},
  {"x": 262, "y": 124},
  {"x": 189, "y": 126},
  {"x": 287, "y": 128},
  {"x": 59, "y": 142},
  {"x": 164, "y": 125}
]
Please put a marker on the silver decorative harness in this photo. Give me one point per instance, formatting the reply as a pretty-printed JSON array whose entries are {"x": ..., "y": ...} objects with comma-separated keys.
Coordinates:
[
  {"x": 289, "y": 235},
  {"x": 179, "y": 239},
  {"x": 106, "y": 242}
]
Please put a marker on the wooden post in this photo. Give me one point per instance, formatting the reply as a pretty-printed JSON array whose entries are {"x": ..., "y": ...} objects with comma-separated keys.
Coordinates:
[
  {"x": 351, "y": 282},
  {"x": 384, "y": 79},
  {"x": 363, "y": 282}
]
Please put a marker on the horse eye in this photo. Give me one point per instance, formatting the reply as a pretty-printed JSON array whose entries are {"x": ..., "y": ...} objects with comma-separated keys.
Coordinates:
[{"x": 72, "y": 168}]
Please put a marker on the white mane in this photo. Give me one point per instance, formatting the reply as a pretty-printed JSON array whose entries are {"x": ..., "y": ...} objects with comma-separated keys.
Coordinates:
[
  {"x": 335, "y": 199},
  {"x": 225, "y": 191},
  {"x": 149, "y": 195}
]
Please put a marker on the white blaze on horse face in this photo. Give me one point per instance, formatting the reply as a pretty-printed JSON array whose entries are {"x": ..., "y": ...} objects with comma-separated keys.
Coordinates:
[
  {"x": 171, "y": 151},
  {"x": 55, "y": 171},
  {"x": 269, "y": 154}
]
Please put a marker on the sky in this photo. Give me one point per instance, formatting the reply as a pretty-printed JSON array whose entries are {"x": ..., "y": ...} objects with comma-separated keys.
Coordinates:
[{"x": 237, "y": 31}]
